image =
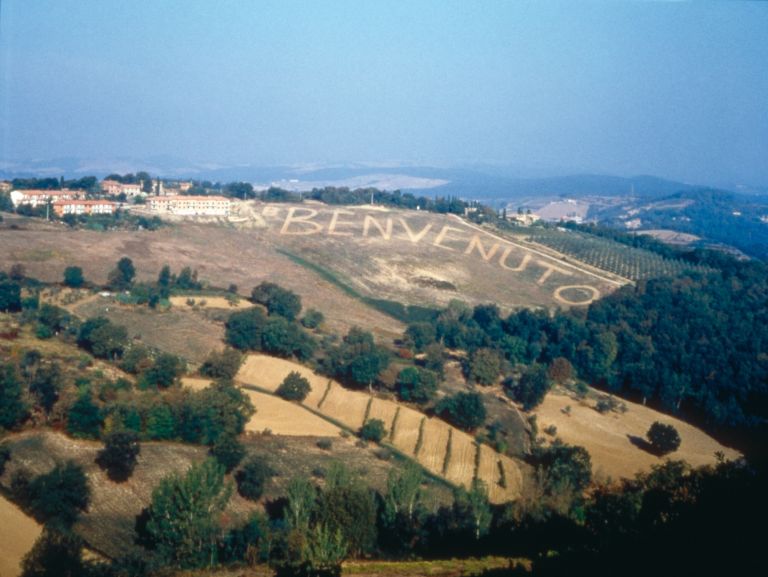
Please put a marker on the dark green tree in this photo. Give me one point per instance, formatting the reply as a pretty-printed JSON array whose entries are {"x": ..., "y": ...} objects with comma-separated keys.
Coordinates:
[
  {"x": 253, "y": 477},
  {"x": 164, "y": 282},
  {"x": 294, "y": 387},
  {"x": 59, "y": 495},
  {"x": 119, "y": 455},
  {"x": 73, "y": 277},
  {"x": 161, "y": 425},
  {"x": 484, "y": 366},
  {"x": 359, "y": 360},
  {"x": 121, "y": 277},
  {"x": 13, "y": 408},
  {"x": 420, "y": 335},
  {"x": 10, "y": 296},
  {"x": 416, "y": 385},
  {"x": 45, "y": 384},
  {"x": 57, "y": 552},
  {"x": 84, "y": 419},
  {"x": 312, "y": 319},
  {"x": 163, "y": 373},
  {"x": 103, "y": 338},
  {"x": 228, "y": 451},
  {"x": 284, "y": 338},
  {"x": 664, "y": 439},
  {"x": 222, "y": 365},
  {"x": 278, "y": 300},
  {"x": 373, "y": 430},
  {"x": 531, "y": 388},
  {"x": 244, "y": 329},
  {"x": 464, "y": 410}
]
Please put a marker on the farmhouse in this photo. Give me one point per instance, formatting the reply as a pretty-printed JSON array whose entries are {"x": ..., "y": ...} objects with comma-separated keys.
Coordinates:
[
  {"x": 114, "y": 188},
  {"x": 191, "y": 205},
  {"x": 62, "y": 207},
  {"x": 35, "y": 198}
]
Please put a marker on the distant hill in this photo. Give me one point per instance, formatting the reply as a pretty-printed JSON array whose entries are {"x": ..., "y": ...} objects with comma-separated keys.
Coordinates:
[{"x": 717, "y": 216}]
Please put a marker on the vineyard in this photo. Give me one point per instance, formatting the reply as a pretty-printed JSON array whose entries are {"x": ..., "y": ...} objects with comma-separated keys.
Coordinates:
[{"x": 626, "y": 261}]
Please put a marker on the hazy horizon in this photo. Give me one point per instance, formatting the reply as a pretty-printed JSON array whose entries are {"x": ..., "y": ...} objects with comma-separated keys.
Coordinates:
[{"x": 673, "y": 89}]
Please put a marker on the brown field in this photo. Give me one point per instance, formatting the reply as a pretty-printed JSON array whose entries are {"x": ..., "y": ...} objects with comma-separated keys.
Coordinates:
[
  {"x": 209, "y": 302},
  {"x": 18, "y": 534},
  {"x": 607, "y": 437},
  {"x": 282, "y": 417},
  {"x": 182, "y": 332},
  {"x": 384, "y": 411},
  {"x": 407, "y": 430},
  {"x": 349, "y": 407},
  {"x": 461, "y": 466},
  {"x": 434, "y": 445},
  {"x": 346, "y": 407}
]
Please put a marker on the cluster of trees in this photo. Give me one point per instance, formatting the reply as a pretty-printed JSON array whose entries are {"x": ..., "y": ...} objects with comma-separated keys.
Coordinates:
[{"x": 691, "y": 344}]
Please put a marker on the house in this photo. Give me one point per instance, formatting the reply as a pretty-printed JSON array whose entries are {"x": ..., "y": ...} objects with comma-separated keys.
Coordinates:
[
  {"x": 35, "y": 198},
  {"x": 114, "y": 188},
  {"x": 77, "y": 207},
  {"x": 191, "y": 205}
]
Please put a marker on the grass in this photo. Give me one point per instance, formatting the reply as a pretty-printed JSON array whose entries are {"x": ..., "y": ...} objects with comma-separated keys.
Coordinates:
[{"x": 396, "y": 310}]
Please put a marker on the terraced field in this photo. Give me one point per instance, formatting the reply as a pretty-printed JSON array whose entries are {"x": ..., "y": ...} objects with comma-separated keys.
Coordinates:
[{"x": 441, "y": 449}]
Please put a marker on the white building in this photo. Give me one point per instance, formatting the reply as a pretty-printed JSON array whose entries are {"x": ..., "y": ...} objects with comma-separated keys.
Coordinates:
[
  {"x": 62, "y": 207},
  {"x": 191, "y": 205},
  {"x": 35, "y": 198}
]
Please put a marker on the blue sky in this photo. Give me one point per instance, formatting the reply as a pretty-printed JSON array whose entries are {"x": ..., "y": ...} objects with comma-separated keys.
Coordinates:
[{"x": 676, "y": 89}]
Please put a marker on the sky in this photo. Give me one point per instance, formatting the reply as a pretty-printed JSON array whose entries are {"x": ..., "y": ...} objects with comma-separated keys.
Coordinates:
[{"x": 674, "y": 89}]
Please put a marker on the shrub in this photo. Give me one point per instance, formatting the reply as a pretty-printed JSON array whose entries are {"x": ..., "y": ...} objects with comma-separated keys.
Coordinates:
[
  {"x": 73, "y": 277},
  {"x": 373, "y": 430},
  {"x": 416, "y": 385},
  {"x": 228, "y": 451},
  {"x": 5, "y": 456},
  {"x": 325, "y": 444},
  {"x": 664, "y": 439},
  {"x": 312, "y": 319},
  {"x": 253, "y": 477},
  {"x": 294, "y": 387},
  {"x": 222, "y": 365},
  {"x": 532, "y": 387}
]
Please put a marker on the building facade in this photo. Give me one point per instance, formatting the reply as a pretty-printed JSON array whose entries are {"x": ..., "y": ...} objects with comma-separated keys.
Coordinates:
[
  {"x": 191, "y": 205},
  {"x": 77, "y": 207}
]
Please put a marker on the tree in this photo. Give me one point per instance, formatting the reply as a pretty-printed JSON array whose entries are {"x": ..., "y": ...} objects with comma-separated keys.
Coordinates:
[
  {"x": 244, "y": 329},
  {"x": 359, "y": 360},
  {"x": 73, "y": 277},
  {"x": 560, "y": 370},
  {"x": 164, "y": 281},
  {"x": 103, "y": 338},
  {"x": 222, "y": 365},
  {"x": 532, "y": 387},
  {"x": 566, "y": 468},
  {"x": 84, "y": 419},
  {"x": 10, "y": 296},
  {"x": 164, "y": 372},
  {"x": 161, "y": 425},
  {"x": 13, "y": 409},
  {"x": 312, "y": 319},
  {"x": 664, "y": 439},
  {"x": 284, "y": 338},
  {"x": 119, "y": 455},
  {"x": 484, "y": 366},
  {"x": 228, "y": 451},
  {"x": 183, "y": 517},
  {"x": 253, "y": 478},
  {"x": 45, "y": 384},
  {"x": 278, "y": 300},
  {"x": 294, "y": 387},
  {"x": 373, "y": 430},
  {"x": 472, "y": 510},
  {"x": 56, "y": 553},
  {"x": 464, "y": 410},
  {"x": 420, "y": 335},
  {"x": 416, "y": 385},
  {"x": 121, "y": 277},
  {"x": 59, "y": 495}
]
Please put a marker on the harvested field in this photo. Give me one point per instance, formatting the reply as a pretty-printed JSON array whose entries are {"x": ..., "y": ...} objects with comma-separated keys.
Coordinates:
[
  {"x": 281, "y": 417},
  {"x": 209, "y": 302},
  {"x": 268, "y": 372},
  {"x": 18, "y": 534},
  {"x": 384, "y": 411},
  {"x": 434, "y": 445},
  {"x": 407, "y": 430},
  {"x": 108, "y": 525},
  {"x": 461, "y": 465},
  {"x": 609, "y": 437},
  {"x": 346, "y": 407},
  {"x": 349, "y": 408}
]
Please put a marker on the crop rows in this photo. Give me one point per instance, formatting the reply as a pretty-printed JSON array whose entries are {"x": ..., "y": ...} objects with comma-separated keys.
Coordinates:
[{"x": 626, "y": 261}]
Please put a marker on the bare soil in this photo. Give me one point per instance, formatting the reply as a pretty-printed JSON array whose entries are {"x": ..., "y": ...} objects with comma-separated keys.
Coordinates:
[{"x": 18, "y": 534}]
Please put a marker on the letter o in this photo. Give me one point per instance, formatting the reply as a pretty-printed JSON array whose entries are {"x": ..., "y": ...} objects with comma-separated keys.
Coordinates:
[{"x": 558, "y": 294}]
